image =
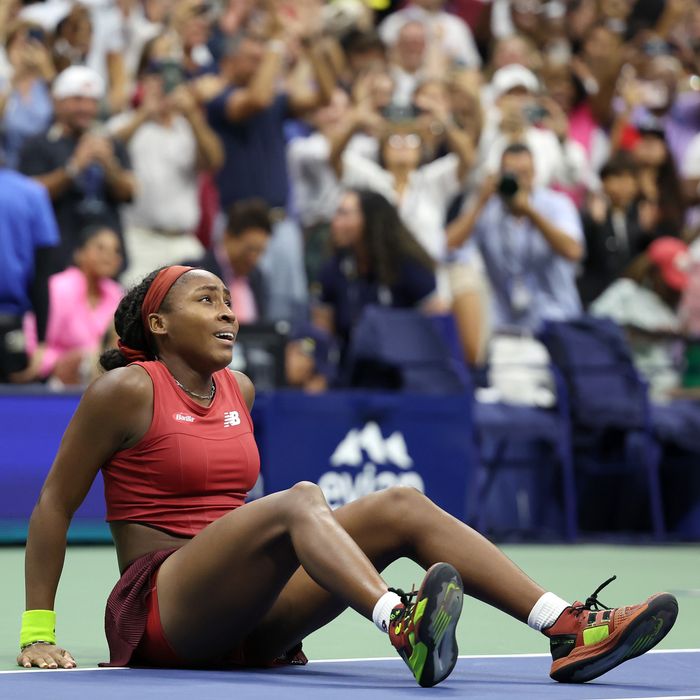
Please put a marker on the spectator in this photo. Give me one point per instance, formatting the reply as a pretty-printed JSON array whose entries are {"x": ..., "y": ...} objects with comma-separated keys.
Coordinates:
[
  {"x": 646, "y": 305},
  {"x": 691, "y": 175},
  {"x": 72, "y": 36},
  {"x": 316, "y": 189},
  {"x": 676, "y": 113},
  {"x": 414, "y": 60},
  {"x": 87, "y": 174},
  {"x": 235, "y": 259},
  {"x": 364, "y": 52},
  {"x": 84, "y": 38},
  {"x": 82, "y": 302},
  {"x": 530, "y": 239},
  {"x": 169, "y": 144},
  {"x": 524, "y": 115},
  {"x": 25, "y": 101},
  {"x": 658, "y": 177},
  {"x": 123, "y": 27},
  {"x": 514, "y": 49},
  {"x": 451, "y": 31},
  {"x": 617, "y": 225},
  {"x": 421, "y": 191},
  {"x": 28, "y": 233},
  {"x": 377, "y": 261},
  {"x": 566, "y": 85},
  {"x": 309, "y": 360},
  {"x": 249, "y": 116},
  {"x": 192, "y": 20}
]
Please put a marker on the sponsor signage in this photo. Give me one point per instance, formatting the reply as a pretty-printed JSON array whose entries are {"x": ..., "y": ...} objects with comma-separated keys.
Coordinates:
[{"x": 353, "y": 444}]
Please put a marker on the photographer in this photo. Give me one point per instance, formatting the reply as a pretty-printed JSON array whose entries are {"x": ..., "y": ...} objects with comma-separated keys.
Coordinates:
[{"x": 529, "y": 238}]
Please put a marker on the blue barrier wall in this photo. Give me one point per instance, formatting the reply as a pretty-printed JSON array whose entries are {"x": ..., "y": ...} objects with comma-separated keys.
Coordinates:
[{"x": 349, "y": 443}]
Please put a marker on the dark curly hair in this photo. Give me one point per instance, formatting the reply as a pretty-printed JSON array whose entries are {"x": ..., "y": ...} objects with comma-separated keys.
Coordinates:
[{"x": 129, "y": 326}]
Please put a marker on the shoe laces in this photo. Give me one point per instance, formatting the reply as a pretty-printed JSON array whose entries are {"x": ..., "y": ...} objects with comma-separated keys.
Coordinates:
[
  {"x": 406, "y": 599},
  {"x": 592, "y": 602}
]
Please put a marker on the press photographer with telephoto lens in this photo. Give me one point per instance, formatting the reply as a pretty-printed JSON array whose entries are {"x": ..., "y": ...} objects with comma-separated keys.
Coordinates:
[{"x": 530, "y": 239}]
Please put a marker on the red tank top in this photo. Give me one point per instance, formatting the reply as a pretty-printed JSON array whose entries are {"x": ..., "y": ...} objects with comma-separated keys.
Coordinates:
[{"x": 193, "y": 465}]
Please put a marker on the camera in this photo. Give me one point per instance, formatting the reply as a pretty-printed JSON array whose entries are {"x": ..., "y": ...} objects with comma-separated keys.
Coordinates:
[
  {"x": 534, "y": 113},
  {"x": 36, "y": 34},
  {"x": 399, "y": 113},
  {"x": 508, "y": 185},
  {"x": 172, "y": 74}
]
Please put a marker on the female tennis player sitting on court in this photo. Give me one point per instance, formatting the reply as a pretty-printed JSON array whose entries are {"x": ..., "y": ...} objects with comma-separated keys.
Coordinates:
[{"x": 207, "y": 581}]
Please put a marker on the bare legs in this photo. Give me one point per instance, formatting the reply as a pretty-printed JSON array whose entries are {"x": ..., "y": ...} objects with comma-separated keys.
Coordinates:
[
  {"x": 241, "y": 577},
  {"x": 217, "y": 587},
  {"x": 400, "y": 522}
]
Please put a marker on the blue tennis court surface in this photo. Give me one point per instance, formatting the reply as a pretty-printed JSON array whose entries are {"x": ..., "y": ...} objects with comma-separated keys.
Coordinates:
[{"x": 662, "y": 675}]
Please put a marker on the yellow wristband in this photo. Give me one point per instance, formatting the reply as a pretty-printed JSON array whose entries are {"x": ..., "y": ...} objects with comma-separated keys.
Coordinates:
[{"x": 38, "y": 626}]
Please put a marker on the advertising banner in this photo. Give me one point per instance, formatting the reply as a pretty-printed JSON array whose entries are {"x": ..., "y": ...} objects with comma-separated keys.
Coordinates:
[{"x": 354, "y": 443}]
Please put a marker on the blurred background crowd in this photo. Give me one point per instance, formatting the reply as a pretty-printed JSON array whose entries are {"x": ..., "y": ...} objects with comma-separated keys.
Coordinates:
[{"x": 500, "y": 162}]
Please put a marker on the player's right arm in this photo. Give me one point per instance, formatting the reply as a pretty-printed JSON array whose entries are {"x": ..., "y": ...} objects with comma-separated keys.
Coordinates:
[{"x": 113, "y": 414}]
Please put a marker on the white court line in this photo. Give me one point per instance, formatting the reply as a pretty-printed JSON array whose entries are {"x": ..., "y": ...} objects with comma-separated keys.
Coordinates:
[
  {"x": 491, "y": 656},
  {"x": 66, "y": 670},
  {"x": 659, "y": 697},
  {"x": 381, "y": 658}
]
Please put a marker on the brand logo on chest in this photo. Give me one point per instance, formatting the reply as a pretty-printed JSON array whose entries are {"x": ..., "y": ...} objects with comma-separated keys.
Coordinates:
[
  {"x": 231, "y": 418},
  {"x": 183, "y": 418}
]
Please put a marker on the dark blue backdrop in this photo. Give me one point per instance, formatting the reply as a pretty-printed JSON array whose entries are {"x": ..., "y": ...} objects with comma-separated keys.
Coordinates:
[{"x": 349, "y": 443}]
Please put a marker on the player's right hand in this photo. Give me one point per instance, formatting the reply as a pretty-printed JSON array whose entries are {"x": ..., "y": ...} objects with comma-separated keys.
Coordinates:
[{"x": 44, "y": 655}]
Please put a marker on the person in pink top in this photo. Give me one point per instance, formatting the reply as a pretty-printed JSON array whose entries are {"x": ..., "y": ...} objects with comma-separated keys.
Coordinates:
[{"x": 82, "y": 302}]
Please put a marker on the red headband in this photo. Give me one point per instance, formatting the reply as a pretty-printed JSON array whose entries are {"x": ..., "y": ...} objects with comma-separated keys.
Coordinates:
[{"x": 158, "y": 290}]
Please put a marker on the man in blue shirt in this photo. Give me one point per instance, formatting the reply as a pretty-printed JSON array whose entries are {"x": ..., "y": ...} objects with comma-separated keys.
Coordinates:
[
  {"x": 248, "y": 116},
  {"x": 530, "y": 240},
  {"x": 28, "y": 235}
]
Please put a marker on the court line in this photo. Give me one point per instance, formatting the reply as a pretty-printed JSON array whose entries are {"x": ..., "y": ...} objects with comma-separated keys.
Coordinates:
[
  {"x": 491, "y": 656},
  {"x": 660, "y": 697},
  {"x": 381, "y": 658},
  {"x": 67, "y": 670}
]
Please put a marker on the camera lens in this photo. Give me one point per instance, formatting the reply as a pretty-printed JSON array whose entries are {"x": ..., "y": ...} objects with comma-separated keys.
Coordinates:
[{"x": 508, "y": 185}]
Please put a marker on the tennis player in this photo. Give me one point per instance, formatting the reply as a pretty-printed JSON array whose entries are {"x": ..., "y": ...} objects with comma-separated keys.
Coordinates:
[{"x": 210, "y": 581}]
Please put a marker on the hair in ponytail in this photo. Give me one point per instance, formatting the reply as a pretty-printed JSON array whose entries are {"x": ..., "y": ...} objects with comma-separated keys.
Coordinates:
[{"x": 129, "y": 326}]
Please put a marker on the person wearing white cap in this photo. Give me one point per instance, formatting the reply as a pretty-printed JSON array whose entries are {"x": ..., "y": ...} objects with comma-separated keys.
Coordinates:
[
  {"x": 524, "y": 114},
  {"x": 86, "y": 174}
]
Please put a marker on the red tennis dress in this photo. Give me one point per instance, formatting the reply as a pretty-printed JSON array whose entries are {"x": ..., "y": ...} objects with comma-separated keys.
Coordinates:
[{"x": 193, "y": 465}]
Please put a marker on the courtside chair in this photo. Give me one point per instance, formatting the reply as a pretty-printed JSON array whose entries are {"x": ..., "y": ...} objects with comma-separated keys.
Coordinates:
[
  {"x": 607, "y": 398},
  {"x": 500, "y": 425}
]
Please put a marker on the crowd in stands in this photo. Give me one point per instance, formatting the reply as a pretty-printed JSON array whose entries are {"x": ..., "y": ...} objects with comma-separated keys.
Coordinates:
[{"x": 503, "y": 161}]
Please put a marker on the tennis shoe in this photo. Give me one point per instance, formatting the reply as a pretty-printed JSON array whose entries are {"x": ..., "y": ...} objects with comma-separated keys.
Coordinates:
[
  {"x": 422, "y": 627},
  {"x": 588, "y": 639}
]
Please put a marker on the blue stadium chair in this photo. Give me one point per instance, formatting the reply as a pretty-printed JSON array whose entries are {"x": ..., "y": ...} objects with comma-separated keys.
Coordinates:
[
  {"x": 405, "y": 350},
  {"x": 677, "y": 428},
  {"x": 401, "y": 349},
  {"x": 504, "y": 431},
  {"x": 500, "y": 426},
  {"x": 609, "y": 406}
]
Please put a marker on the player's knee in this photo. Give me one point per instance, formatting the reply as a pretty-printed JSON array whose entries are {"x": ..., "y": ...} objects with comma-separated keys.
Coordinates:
[
  {"x": 401, "y": 503},
  {"x": 305, "y": 496}
]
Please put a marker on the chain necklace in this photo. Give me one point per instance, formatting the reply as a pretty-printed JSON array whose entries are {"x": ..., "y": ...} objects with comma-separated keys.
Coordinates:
[{"x": 203, "y": 397}]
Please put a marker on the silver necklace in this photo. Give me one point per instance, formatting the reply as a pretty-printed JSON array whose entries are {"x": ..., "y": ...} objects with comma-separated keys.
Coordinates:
[{"x": 203, "y": 397}]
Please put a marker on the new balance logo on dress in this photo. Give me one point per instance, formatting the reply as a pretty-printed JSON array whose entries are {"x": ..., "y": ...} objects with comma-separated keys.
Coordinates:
[{"x": 231, "y": 418}]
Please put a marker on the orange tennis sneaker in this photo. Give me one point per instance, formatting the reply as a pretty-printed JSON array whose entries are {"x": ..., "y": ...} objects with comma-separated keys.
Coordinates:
[{"x": 588, "y": 639}]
